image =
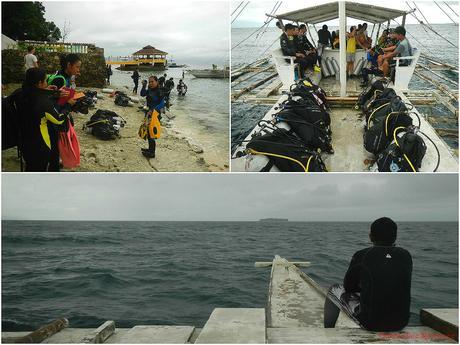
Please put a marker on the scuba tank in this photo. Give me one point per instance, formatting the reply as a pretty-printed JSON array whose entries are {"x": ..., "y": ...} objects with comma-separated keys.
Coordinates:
[
  {"x": 324, "y": 69},
  {"x": 330, "y": 67},
  {"x": 359, "y": 66},
  {"x": 335, "y": 64}
]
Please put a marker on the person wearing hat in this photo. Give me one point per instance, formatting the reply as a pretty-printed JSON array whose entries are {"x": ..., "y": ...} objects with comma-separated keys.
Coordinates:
[
  {"x": 402, "y": 48},
  {"x": 376, "y": 288}
]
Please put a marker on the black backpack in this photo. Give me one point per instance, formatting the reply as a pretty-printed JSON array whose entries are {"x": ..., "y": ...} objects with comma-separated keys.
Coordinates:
[
  {"x": 285, "y": 152},
  {"x": 314, "y": 135},
  {"x": 122, "y": 99},
  {"x": 394, "y": 105},
  {"x": 405, "y": 155},
  {"x": 309, "y": 91},
  {"x": 311, "y": 112},
  {"x": 380, "y": 135}
]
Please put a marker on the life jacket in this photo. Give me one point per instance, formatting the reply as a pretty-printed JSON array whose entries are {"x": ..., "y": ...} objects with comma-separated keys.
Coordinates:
[
  {"x": 285, "y": 152},
  {"x": 405, "y": 154},
  {"x": 69, "y": 147}
]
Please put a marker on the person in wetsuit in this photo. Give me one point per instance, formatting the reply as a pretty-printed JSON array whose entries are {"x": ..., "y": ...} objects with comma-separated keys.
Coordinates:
[
  {"x": 155, "y": 101},
  {"x": 324, "y": 40},
  {"x": 168, "y": 86},
  {"x": 376, "y": 288},
  {"x": 37, "y": 120},
  {"x": 306, "y": 47},
  {"x": 181, "y": 88},
  {"x": 289, "y": 46},
  {"x": 135, "y": 78}
]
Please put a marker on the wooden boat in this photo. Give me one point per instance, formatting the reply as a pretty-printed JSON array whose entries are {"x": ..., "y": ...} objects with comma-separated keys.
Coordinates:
[
  {"x": 346, "y": 124},
  {"x": 210, "y": 73}
]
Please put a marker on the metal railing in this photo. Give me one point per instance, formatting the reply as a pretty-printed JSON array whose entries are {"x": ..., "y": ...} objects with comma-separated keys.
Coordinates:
[{"x": 58, "y": 47}]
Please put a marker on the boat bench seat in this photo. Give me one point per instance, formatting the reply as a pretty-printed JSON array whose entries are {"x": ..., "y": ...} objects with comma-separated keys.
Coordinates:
[
  {"x": 403, "y": 74},
  {"x": 285, "y": 69}
]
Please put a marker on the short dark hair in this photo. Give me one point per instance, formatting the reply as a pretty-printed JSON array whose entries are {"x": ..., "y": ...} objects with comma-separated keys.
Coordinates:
[
  {"x": 325, "y": 27},
  {"x": 365, "y": 24},
  {"x": 352, "y": 28},
  {"x": 154, "y": 77},
  {"x": 35, "y": 75},
  {"x": 30, "y": 48},
  {"x": 69, "y": 59},
  {"x": 359, "y": 26},
  {"x": 384, "y": 231},
  {"x": 289, "y": 26},
  {"x": 400, "y": 31},
  {"x": 302, "y": 26}
]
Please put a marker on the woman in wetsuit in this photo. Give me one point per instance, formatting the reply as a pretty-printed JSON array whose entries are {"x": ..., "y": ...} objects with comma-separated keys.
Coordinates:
[
  {"x": 64, "y": 79},
  {"x": 155, "y": 102},
  {"x": 38, "y": 118}
]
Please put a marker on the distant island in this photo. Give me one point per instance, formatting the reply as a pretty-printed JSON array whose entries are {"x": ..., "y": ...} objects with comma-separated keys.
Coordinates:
[{"x": 273, "y": 220}]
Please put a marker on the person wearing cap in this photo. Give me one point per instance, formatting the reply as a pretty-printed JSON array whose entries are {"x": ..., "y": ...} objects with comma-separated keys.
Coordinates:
[
  {"x": 402, "y": 48},
  {"x": 376, "y": 288}
]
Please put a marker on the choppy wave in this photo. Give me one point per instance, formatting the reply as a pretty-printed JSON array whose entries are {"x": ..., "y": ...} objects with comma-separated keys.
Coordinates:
[{"x": 176, "y": 273}]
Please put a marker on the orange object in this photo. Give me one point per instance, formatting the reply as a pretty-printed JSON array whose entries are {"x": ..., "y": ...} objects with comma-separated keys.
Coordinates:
[{"x": 154, "y": 126}]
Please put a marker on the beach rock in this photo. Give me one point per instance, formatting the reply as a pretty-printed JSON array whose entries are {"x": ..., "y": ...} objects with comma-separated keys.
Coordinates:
[{"x": 196, "y": 148}]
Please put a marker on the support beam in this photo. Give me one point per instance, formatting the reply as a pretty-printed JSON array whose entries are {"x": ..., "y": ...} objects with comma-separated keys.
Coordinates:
[
  {"x": 404, "y": 21},
  {"x": 343, "y": 48},
  {"x": 377, "y": 35}
]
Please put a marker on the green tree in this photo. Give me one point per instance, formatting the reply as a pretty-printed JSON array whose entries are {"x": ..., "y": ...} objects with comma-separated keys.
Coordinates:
[{"x": 26, "y": 21}]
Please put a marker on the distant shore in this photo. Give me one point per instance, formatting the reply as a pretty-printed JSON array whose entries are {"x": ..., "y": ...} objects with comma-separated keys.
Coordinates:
[{"x": 174, "y": 153}]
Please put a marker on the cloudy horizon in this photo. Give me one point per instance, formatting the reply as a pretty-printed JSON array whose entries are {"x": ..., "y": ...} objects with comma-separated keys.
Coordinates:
[
  {"x": 197, "y": 32},
  {"x": 230, "y": 197}
]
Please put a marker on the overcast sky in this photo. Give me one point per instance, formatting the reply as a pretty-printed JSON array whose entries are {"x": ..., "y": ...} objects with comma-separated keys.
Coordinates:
[
  {"x": 190, "y": 31},
  {"x": 254, "y": 13},
  {"x": 232, "y": 197}
]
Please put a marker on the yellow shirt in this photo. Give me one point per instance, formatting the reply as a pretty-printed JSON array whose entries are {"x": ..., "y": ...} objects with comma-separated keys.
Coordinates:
[{"x": 351, "y": 45}]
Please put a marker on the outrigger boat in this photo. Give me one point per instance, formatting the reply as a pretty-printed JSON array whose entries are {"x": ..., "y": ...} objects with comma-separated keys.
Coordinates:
[
  {"x": 210, "y": 73},
  {"x": 293, "y": 315},
  {"x": 346, "y": 123}
]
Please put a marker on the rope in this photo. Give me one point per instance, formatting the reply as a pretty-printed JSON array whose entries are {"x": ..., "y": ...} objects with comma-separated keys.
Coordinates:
[
  {"x": 450, "y": 8},
  {"x": 236, "y": 9},
  {"x": 240, "y": 12},
  {"x": 445, "y": 13},
  {"x": 245, "y": 39},
  {"x": 273, "y": 11}
]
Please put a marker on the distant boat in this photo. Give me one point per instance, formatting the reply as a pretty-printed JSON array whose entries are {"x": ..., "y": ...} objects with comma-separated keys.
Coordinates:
[
  {"x": 175, "y": 65},
  {"x": 210, "y": 73},
  {"x": 272, "y": 220}
]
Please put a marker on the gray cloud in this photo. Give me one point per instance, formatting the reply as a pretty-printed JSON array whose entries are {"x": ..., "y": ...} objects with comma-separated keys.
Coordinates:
[
  {"x": 359, "y": 197},
  {"x": 193, "y": 31}
]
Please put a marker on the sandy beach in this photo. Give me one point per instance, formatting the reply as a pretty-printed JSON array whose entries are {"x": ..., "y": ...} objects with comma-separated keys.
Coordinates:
[{"x": 175, "y": 152}]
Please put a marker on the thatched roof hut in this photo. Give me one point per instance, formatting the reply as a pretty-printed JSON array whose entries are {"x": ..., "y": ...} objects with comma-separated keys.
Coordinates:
[{"x": 149, "y": 51}]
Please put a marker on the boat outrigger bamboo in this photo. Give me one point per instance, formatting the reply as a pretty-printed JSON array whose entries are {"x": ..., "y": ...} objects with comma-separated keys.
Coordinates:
[
  {"x": 294, "y": 314},
  {"x": 347, "y": 127}
]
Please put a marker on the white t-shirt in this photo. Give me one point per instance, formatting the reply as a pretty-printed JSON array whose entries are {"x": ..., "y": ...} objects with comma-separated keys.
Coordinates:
[{"x": 29, "y": 61}]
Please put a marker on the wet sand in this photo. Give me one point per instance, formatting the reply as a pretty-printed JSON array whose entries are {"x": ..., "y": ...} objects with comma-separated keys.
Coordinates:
[{"x": 174, "y": 152}]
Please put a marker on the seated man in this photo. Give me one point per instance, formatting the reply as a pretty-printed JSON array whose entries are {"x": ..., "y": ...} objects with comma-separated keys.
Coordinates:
[
  {"x": 289, "y": 46},
  {"x": 376, "y": 288},
  {"x": 306, "y": 47},
  {"x": 402, "y": 48}
]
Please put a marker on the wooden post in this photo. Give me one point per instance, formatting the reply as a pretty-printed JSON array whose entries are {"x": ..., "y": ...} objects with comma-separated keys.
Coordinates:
[
  {"x": 40, "y": 334},
  {"x": 343, "y": 48}
]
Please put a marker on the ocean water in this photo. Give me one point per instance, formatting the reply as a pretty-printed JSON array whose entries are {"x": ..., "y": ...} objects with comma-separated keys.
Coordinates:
[
  {"x": 176, "y": 273},
  {"x": 245, "y": 117},
  {"x": 201, "y": 115}
]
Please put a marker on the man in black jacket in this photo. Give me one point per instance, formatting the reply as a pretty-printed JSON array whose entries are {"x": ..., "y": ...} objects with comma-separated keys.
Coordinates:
[
  {"x": 290, "y": 47},
  {"x": 376, "y": 287},
  {"x": 306, "y": 47},
  {"x": 324, "y": 40}
]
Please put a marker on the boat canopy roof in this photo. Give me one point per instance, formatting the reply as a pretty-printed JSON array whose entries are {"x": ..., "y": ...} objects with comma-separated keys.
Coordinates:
[{"x": 329, "y": 11}]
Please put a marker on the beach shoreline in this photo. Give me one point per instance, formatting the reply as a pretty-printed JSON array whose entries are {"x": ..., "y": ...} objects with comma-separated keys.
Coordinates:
[{"x": 175, "y": 152}]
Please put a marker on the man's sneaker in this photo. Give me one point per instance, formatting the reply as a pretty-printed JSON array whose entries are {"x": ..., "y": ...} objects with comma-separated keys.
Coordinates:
[{"x": 316, "y": 68}]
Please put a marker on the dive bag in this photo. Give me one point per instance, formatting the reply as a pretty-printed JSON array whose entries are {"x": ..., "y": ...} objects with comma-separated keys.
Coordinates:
[
  {"x": 285, "y": 152},
  {"x": 314, "y": 134},
  {"x": 309, "y": 91},
  {"x": 405, "y": 154},
  {"x": 105, "y": 124},
  {"x": 395, "y": 105},
  {"x": 380, "y": 135},
  {"x": 379, "y": 98},
  {"x": 121, "y": 99},
  {"x": 370, "y": 92}
]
